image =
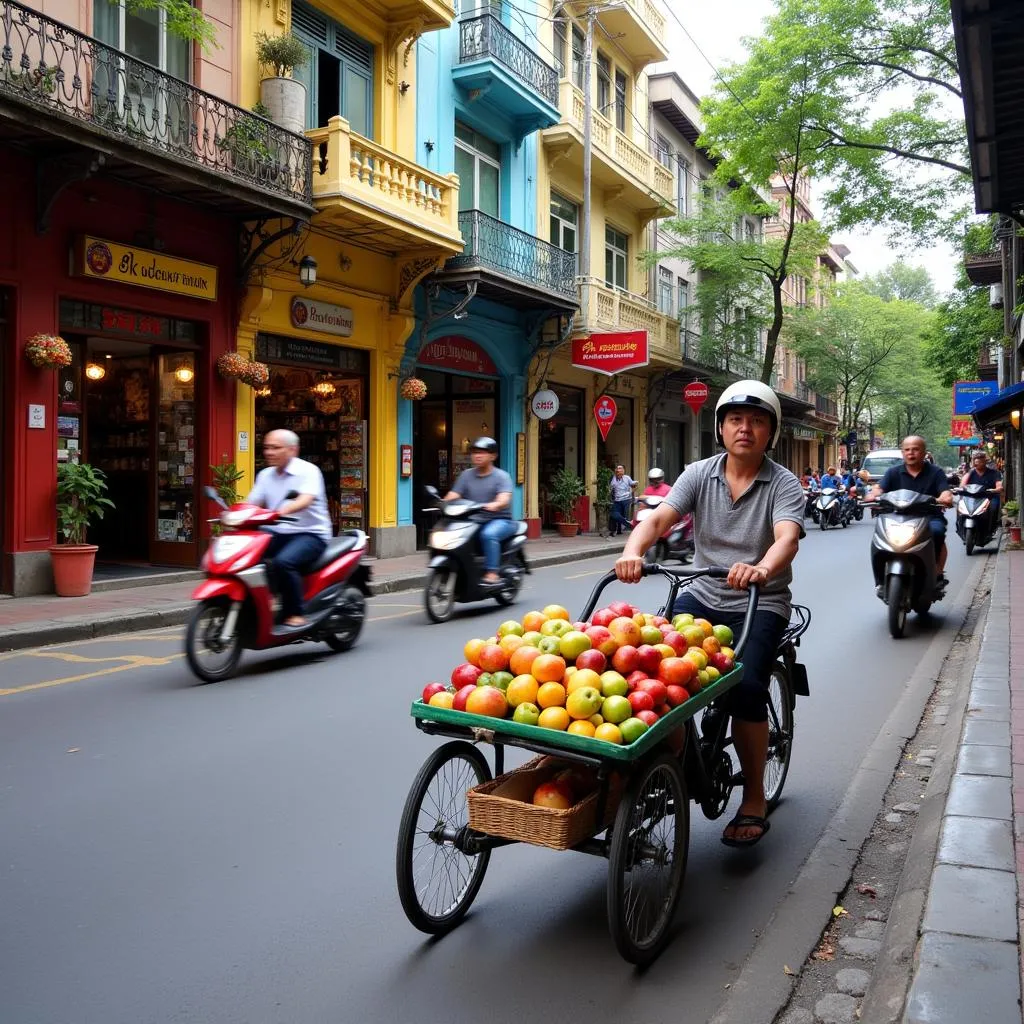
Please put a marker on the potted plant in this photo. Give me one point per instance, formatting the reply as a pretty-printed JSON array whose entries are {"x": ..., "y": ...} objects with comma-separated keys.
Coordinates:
[
  {"x": 603, "y": 505},
  {"x": 81, "y": 498},
  {"x": 1011, "y": 512},
  {"x": 245, "y": 145},
  {"x": 564, "y": 492},
  {"x": 283, "y": 96}
]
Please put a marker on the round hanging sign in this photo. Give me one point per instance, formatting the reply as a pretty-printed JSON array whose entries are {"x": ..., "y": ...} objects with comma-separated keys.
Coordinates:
[{"x": 544, "y": 404}]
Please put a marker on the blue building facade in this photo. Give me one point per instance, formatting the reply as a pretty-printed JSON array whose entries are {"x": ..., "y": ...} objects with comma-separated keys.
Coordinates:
[{"x": 483, "y": 93}]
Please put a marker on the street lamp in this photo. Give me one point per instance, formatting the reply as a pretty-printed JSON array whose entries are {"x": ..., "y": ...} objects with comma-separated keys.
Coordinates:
[{"x": 307, "y": 271}]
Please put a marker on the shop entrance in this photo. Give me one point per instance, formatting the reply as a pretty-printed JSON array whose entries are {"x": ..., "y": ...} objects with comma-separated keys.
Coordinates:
[
  {"x": 128, "y": 406},
  {"x": 671, "y": 442},
  {"x": 561, "y": 443},
  {"x": 618, "y": 448},
  {"x": 445, "y": 424}
]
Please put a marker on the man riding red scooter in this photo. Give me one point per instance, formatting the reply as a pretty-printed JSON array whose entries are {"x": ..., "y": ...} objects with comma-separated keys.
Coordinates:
[{"x": 677, "y": 541}]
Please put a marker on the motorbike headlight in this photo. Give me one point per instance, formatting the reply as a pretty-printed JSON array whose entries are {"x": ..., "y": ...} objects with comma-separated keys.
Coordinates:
[
  {"x": 446, "y": 539},
  {"x": 235, "y": 517},
  {"x": 225, "y": 548},
  {"x": 898, "y": 534},
  {"x": 961, "y": 508}
]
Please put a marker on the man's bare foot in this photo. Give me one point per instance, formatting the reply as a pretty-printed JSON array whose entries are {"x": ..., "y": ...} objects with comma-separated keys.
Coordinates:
[
  {"x": 295, "y": 620},
  {"x": 492, "y": 577}
]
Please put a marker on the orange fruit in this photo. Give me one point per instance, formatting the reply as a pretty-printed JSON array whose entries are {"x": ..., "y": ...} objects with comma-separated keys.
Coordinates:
[
  {"x": 582, "y": 727},
  {"x": 554, "y": 718},
  {"x": 522, "y": 690},
  {"x": 711, "y": 645},
  {"x": 548, "y": 668},
  {"x": 551, "y": 695},
  {"x": 472, "y": 650},
  {"x": 582, "y": 677},
  {"x": 522, "y": 658},
  {"x": 556, "y": 611},
  {"x": 493, "y": 659},
  {"x": 609, "y": 732},
  {"x": 532, "y": 621},
  {"x": 705, "y": 625},
  {"x": 510, "y": 642},
  {"x": 443, "y": 699}
]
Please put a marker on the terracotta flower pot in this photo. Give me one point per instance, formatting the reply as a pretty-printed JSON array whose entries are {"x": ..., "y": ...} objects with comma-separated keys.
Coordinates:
[
  {"x": 72, "y": 568},
  {"x": 568, "y": 529},
  {"x": 1014, "y": 534}
]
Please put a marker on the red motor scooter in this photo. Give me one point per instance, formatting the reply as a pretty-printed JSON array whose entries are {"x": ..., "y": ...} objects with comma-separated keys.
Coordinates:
[
  {"x": 675, "y": 542},
  {"x": 238, "y": 607}
]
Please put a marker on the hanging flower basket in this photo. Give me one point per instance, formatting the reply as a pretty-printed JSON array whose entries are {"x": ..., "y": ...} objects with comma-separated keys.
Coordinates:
[
  {"x": 234, "y": 366},
  {"x": 413, "y": 389},
  {"x": 47, "y": 351},
  {"x": 255, "y": 374}
]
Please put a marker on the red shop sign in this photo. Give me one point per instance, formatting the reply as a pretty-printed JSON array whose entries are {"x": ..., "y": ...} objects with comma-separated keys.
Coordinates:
[
  {"x": 604, "y": 412},
  {"x": 695, "y": 394},
  {"x": 610, "y": 353},
  {"x": 456, "y": 353}
]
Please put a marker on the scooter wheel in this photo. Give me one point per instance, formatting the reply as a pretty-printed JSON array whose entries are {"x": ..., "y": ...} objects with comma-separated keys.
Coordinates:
[
  {"x": 439, "y": 596},
  {"x": 509, "y": 591},
  {"x": 969, "y": 540},
  {"x": 347, "y": 623},
  {"x": 210, "y": 657},
  {"x": 896, "y": 600}
]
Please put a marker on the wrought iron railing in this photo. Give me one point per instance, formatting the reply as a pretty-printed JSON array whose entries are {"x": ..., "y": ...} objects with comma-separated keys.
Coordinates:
[
  {"x": 826, "y": 405},
  {"x": 53, "y": 68},
  {"x": 802, "y": 391},
  {"x": 499, "y": 246},
  {"x": 486, "y": 36}
]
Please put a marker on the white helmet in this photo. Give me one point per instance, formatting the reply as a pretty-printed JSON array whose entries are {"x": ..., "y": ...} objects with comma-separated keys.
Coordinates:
[
  {"x": 749, "y": 394},
  {"x": 656, "y": 474}
]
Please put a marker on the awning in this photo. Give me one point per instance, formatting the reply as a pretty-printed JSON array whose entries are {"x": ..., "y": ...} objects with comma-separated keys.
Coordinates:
[{"x": 997, "y": 408}]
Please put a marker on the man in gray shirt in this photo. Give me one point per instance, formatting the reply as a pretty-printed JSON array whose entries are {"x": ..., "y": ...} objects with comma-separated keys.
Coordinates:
[
  {"x": 748, "y": 515},
  {"x": 492, "y": 488}
]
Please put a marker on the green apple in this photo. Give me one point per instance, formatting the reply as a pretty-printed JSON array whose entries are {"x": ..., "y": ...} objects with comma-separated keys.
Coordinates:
[
  {"x": 484, "y": 679},
  {"x": 526, "y": 713},
  {"x": 723, "y": 634},
  {"x": 548, "y": 645},
  {"x": 556, "y": 627},
  {"x": 532, "y": 638},
  {"x": 616, "y": 709},
  {"x": 632, "y": 729},
  {"x": 584, "y": 702},
  {"x": 681, "y": 620},
  {"x": 572, "y": 644},
  {"x": 510, "y": 628},
  {"x": 613, "y": 684},
  {"x": 501, "y": 680},
  {"x": 650, "y": 635}
]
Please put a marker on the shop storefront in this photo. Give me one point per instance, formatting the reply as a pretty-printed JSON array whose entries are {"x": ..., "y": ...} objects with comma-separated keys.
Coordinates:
[{"x": 562, "y": 442}]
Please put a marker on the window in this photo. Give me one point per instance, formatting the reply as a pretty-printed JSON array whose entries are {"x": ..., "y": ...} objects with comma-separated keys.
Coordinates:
[
  {"x": 665, "y": 290},
  {"x": 751, "y": 232},
  {"x": 339, "y": 74},
  {"x": 616, "y": 253},
  {"x": 561, "y": 43},
  {"x": 478, "y": 165},
  {"x": 564, "y": 220},
  {"x": 604, "y": 84},
  {"x": 663, "y": 151},
  {"x": 620, "y": 101},
  {"x": 578, "y": 44},
  {"x": 683, "y": 290},
  {"x": 683, "y": 185},
  {"x": 142, "y": 35}
]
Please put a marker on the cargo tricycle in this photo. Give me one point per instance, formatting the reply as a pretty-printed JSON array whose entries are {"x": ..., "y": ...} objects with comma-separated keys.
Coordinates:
[{"x": 637, "y": 815}]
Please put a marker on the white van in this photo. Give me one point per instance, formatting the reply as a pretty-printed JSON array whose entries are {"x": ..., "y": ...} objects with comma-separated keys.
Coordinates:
[{"x": 878, "y": 461}]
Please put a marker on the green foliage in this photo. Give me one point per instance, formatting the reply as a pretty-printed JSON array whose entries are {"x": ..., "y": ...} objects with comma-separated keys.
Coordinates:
[
  {"x": 604, "y": 484},
  {"x": 183, "y": 20},
  {"x": 1011, "y": 510},
  {"x": 81, "y": 497},
  {"x": 564, "y": 490},
  {"x": 225, "y": 476},
  {"x": 246, "y": 140},
  {"x": 902, "y": 281},
  {"x": 280, "y": 54}
]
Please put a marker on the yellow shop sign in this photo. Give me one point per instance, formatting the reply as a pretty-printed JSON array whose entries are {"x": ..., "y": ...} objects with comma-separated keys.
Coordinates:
[{"x": 128, "y": 264}]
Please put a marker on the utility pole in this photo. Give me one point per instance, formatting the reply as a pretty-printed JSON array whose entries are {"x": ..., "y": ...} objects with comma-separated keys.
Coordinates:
[{"x": 588, "y": 117}]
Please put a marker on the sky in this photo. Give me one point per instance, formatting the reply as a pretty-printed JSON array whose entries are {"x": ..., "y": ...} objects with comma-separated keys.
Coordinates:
[{"x": 718, "y": 29}]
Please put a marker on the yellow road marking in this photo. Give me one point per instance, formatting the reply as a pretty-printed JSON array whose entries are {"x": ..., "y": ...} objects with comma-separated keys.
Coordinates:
[
  {"x": 86, "y": 675},
  {"x": 580, "y": 575}
]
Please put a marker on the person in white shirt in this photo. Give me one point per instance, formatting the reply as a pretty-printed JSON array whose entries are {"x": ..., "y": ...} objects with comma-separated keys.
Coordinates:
[
  {"x": 622, "y": 487},
  {"x": 296, "y": 545}
]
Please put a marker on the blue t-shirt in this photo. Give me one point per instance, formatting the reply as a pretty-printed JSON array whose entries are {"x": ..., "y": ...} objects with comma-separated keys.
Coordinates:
[{"x": 829, "y": 481}]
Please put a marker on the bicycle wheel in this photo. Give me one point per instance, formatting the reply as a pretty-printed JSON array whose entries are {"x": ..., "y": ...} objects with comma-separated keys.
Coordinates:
[
  {"x": 437, "y": 882},
  {"x": 647, "y": 861},
  {"x": 780, "y": 734}
]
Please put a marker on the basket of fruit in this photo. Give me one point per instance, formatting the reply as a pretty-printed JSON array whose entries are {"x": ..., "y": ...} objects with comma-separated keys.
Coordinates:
[{"x": 546, "y": 802}]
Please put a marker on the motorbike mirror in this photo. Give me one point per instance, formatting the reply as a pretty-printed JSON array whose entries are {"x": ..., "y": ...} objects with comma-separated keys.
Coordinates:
[
  {"x": 212, "y": 494},
  {"x": 431, "y": 490}
]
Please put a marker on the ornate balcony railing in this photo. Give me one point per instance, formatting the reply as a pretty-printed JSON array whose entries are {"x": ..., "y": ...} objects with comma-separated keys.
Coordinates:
[
  {"x": 802, "y": 391},
  {"x": 486, "y": 36},
  {"x": 826, "y": 405},
  {"x": 500, "y": 247},
  {"x": 57, "y": 70}
]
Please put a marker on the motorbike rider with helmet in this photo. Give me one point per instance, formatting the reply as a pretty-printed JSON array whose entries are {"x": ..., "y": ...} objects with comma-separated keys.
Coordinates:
[
  {"x": 748, "y": 514},
  {"x": 989, "y": 478},
  {"x": 490, "y": 487},
  {"x": 656, "y": 485}
]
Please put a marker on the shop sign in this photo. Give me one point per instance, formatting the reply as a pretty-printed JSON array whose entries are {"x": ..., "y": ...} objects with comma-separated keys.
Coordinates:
[
  {"x": 459, "y": 354},
  {"x": 805, "y": 434},
  {"x": 544, "y": 404},
  {"x": 143, "y": 268},
  {"x": 321, "y": 316},
  {"x": 297, "y": 352},
  {"x": 695, "y": 394},
  {"x": 610, "y": 353},
  {"x": 605, "y": 410},
  {"x": 85, "y": 316},
  {"x": 967, "y": 392},
  {"x": 961, "y": 426}
]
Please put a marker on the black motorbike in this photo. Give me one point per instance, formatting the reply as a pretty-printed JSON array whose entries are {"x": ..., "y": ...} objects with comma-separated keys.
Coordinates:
[
  {"x": 457, "y": 562},
  {"x": 975, "y": 516},
  {"x": 903, "y": 556},
  {"x": 810, "y": 504}
]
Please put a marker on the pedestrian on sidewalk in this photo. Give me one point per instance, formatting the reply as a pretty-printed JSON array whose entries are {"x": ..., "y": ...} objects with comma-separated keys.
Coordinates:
[{"x": 622, "y": 487}]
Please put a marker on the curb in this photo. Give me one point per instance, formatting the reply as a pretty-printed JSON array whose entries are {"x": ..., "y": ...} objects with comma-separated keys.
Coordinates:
[{"x": 70, "y": 630}]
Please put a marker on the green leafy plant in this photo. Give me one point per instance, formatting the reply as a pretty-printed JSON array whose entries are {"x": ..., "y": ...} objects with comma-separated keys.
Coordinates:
[
  {"x": 280, "y": 54},
  {"x": 1012, "y": 510},
  {"x": 565, "y": 489},
  {"x": 246, "y": 141},
  {"x": 183, "y": 20},
  {"x": 225, "y": 476},
  {"x": 603, "y": 504},
  {"x": 81, "y": 498}
]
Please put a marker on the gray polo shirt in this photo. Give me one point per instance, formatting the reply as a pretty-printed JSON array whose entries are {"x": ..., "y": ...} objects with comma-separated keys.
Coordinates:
[
  {"x": 726, "y": 532},
  {"x": 485, "y": 489}
]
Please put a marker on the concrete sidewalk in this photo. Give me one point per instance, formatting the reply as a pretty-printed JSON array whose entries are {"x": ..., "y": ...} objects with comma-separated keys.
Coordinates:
[{"x": 35, "y": 621}]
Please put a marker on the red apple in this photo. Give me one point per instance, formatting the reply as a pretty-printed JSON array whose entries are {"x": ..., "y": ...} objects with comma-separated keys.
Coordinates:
[
  {"x": 662, "y": 710},
  {"x": 677, "y": 694},
  {"x": 677, "y": 642},
  {"x": 487, "y": 700},
  {"x": 592, "y": 659},
  {"x": 660, "y": 620},
  {"x": 602, "y": 640},
  {"x": 722, "y": 662},
  {"x": 602, "y": 617},
  {"x": 626, "y": 659},
  {"x": 677, "y": 670},
  {"x": 640, "y": 700},
  {"x": 656, "y": 688},
  {"x": 465, "y": 675},
  {"x": 430, "y": 689},
  {"x": 650, "y": 717},
  {"x": 580, "y": 627},
  {"x": 649, "y": 658},
  {"x": 666, "y": 628},
  {"x": 459, "y": 704},
  {"x": 625, "y": 631},
  {"x": 621, "y": 608},
  {"x": 634, "y": 679}
]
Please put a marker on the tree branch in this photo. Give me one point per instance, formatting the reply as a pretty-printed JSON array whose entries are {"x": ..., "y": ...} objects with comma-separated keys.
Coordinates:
[
  {"x": 865, "y": 62},
  {"x": 839, "y": 140}
]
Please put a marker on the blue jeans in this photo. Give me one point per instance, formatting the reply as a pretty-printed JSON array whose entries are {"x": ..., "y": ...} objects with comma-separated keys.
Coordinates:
[
  {"x": 620, "y": 515},
  {"x": 292, "y": 554},
  {"x": 491, "y": 535},
  {"x": 937, "y": 525}
]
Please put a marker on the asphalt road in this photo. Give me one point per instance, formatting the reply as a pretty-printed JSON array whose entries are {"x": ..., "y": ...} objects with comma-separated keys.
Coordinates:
[{"x": 225, "y": 854}]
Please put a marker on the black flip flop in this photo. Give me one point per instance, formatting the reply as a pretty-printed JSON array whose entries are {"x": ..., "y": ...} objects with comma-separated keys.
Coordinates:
[{"x": 747, "y": 821}]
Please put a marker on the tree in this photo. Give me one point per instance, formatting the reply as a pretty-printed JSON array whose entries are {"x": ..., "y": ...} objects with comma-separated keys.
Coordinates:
[
  {"x": 909, "y": 397},
  {"x": 183, "y": 19},
  {"x": 902, "y": 281}
]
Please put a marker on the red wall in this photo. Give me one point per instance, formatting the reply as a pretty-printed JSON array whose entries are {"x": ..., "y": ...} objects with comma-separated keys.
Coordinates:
[{"x": 37, "y": 267}]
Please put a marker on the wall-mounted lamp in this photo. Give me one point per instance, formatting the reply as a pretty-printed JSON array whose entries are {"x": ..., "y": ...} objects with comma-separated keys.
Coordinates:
[
  {"x": 307, "y": 271},
  {"x": 344, "y": 262},
  {"x": 263, "y": 392},
  {"x": 184, "y": 374},
  {"x": 95, "y": 371},
  {"x": 1015, "y": 419},
  {"x": 403, "y": 87},
  {"x": 428, "y": 146}
]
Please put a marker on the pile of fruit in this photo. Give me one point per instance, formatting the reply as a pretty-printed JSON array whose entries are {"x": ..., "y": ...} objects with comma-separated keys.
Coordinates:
[{"x": 611, "y": 678}]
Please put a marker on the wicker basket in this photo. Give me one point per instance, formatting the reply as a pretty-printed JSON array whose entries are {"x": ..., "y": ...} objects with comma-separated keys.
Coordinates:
[{"x": 503, "y": 808}]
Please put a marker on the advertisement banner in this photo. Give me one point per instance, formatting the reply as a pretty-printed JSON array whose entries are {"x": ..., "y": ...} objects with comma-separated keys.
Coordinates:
[
  {"x": 610, "y": 353},
  {"x": 457, "y": 353},
  {"x": 967, "y": 392},
  {"x": 321, "y": 316},
  {"x": 143, "y": 268},
  {"x": 544, "y": 404}
]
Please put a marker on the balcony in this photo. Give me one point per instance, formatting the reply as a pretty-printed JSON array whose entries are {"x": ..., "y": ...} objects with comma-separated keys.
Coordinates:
[
  {"x": 404, "y": 16},
  {"x": 626, "y": 173},
  {"x": 637, "y": 26},
  {"x": 81, "y": 107},
  {"x": 613, "y": 309},
  {"x": 498, "y": 69},
  {"x": 512, "y": 267},
  {"x": 391, "y": 204},
  {"x": 826, "y": 407}
]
